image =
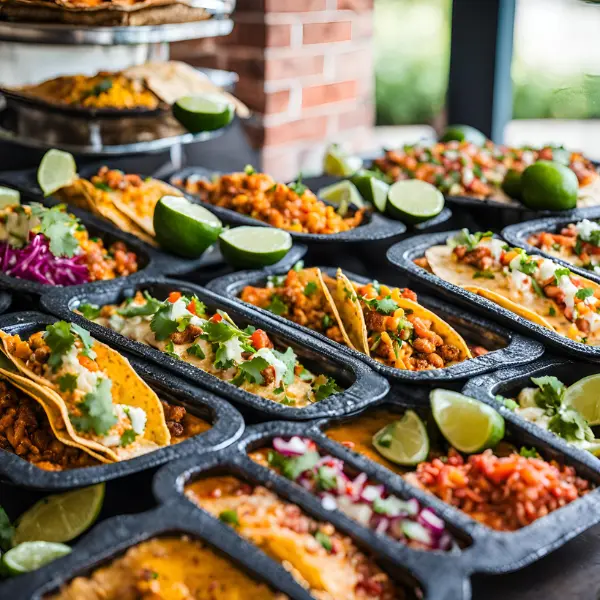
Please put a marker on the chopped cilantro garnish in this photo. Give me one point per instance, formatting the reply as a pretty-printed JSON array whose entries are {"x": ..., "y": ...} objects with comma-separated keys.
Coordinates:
[
  {"x": 67, "y": 382},
  {"x": 537, "y": 288},
  {"x": 230, "y": 517},
  {"x": 288, "y": 401},
  {"x": 584, "y": 293},
  {"x": 298, "y": 266},
  {"x": 289, "y": 359},
  {"x": 199, "y": 306},
  {"x": 385, "y": 306},
  {"x": 483, "y": 275},
  {"x": 326, "y": 322},
  {"x": 86, "y": 339},
  {"x": 550, "y": 393},
  {"x": 508, "y": 402},
  {"x": 468, "y": 239},
  {"x": 306, "y": 375},
  {"x": 528, "y": 452},
  {"x": 310, "y": 288},
  {"x": 217, "y": 332},
  {"x": 279, "y": 390},
  {"x": 297, "y": 186},
  {"x": 58, "y": 226},
  {"x": 527, "y": 265},
  {"x": 249, "y": 170},
  {"x": 183, "y": 323},
  {"x": 327, "y": 389},
  {"x": 552, "y": 311},
  {"x": 97, "y": 410},
  {"x": 89, "y": 311},
  {"x": 324, "y": 540},
  {"x": 151, "y": 307},
  {"x": 128, "y": 437},
  {"x": 102, "y": 186},
  {"x": 251, "y": 370},
  {"x": 60, "y": 339},
  {"x": 326, "y": 478},
  {"x": 170, "y": 350},
  {"x": 570, "y": 425},
  {"x": 196, "y": 350},
  {"x": 277, "y": 306},
  {"x": 162, "y": 325},
  {"x": 293, "y": 467},
  {"x": 561, "y": 272}
]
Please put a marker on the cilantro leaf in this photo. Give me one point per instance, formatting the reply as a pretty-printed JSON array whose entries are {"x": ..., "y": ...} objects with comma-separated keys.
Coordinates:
[
  {"x": 537, "y": 288},
  {"x": 561, "y": 272},
  {"x": 289, "y": 359},
  {"x": 60, "y": 340},
  {"x": 230, "y": 517},
  {"x": 128, "y": 437},
  {"x": 277, "y": 306},
  {"x": 324, "y": 540},
  {"x": 97, "y": 410},
  {"x": 550, "y": 393},
  {"x": 529, "y": 452},
  {"x": 306, "y": 375},
  {"x": 67, "y": 382},
  {"x": 89, "y": 311},
  {"x": 508, "y": 402},
  {"x": 170, "y": 350},
  {"x": 552, "y": 311},
  {"x": 326, "y": 478},
  {"x": 196, "y": 350},
  {"x": 151, "y": 307},
  {"x": 59, "y": 227},
  {"x": 249, "y": 170},
  {"x": 162, "y": 325},
  {"x": 7, "y": 531},
  {"x": 584, "y": 293},
  {"x": 385, "y": 306},
  {"x": 483, "y": 275},
  {"x": 199, "y": 306},
  {"x": 86, "y": 339},
  {"x": 326, "y": 322},
  {"x": 527, "y": 265},
  {"x": 327, "y": 389},
  {"x": 251, "y": 369},
  {"x": 297, "y": 186},
  {"x": 102, "y": 186},
  {"x": 217, "y": 332},
  {"x": 222, "y": 361},
  {"x": 571, "y": 426},
  {"x": 310, "y": 288},
  {"x": 293, "y": 467},
  {"x": 468, "y": 239}
]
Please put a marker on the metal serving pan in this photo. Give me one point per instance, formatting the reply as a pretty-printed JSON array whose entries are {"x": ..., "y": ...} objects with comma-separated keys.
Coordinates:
[
  {"x": 402, "y": 254},
  {"x": 513, "y": 349},
  {"x": 362, "y": 385},
  {"x": 374, "y": 228},
  {"x": 518, "y": 234},
  {"x": 483, "y": 550},
  {"x": 509, "y": 382},
  {"x": 227, "y": 424}
]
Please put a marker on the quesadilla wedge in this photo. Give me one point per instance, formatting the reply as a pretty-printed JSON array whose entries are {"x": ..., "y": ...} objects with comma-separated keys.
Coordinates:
[
  {"x": 105, "y": 406},
  {"x": 535, "y": 288},
  {"x": 182, "y": 327}
]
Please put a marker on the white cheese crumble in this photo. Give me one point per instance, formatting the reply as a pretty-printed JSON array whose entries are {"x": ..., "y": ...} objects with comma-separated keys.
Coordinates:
[
  {"x": 569, "y": 289},
  {"x": 233, "y": 350},
  {"x": 547, "y": 269},
  {"x": 278, "y": 365},
  {"x": 585, "y": 228}
]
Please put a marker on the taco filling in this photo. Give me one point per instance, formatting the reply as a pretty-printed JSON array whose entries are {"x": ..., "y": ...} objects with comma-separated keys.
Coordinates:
[
  {"x": 104, "y": 406},
  {"x": 183, "y": 328},
  {"x": 385, "y": 323},
  {"x": 577, "y": 243},
  {"x": 533, "y": 287},
  {"x": 51, "y": 246},
  {"x": 292, "y": 207}
]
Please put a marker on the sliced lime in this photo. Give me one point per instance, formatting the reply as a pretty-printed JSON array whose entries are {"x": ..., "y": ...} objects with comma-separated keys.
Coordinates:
[
  {"x": 414, "y": 201},
  {"x": 584, "y": 397},
  {"x": 9, "y": 197},
  {"x": 62, "y": 517},
  {"x": 339, "y": 163},
  {"x": 244, "y": 247},
  {"x": 185, "y": 228},
  {"x": 404, "y": 442},
  {"x": 342, "y": 194},
  {"x": 30, "y": 556},
  {"x": 204, "y": 112},
  {"x": 468, "y": 424},
  {"x": 57, "y": 170},
  {"x": 371, "y": 188}
]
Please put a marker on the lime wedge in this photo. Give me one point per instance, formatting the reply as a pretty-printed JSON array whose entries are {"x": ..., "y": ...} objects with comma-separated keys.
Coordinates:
[
  {"x": 468, "y": 424},
  {"x": 62, "y": 517},
  {"x": 342, "y": 194},
  {"x": 9, "y": 197},
  {"x": 584, "y": 397},
  {"x": 204, "y": 112},
  {"x": 245, "y": 247},
  {"x": 185, "y": 228},
  {"x": 339, "y": 163},
  {"x": 414, "y": 201},
  {"x": 404, "y": 442},
  {"x": 371, "y": 188},
  {"x": 30, "y": 556},
  {"x": 57, "y": 170}
]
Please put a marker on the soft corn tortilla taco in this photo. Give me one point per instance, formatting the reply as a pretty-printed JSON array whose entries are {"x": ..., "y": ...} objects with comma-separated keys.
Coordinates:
[
  {"x": 442, "y": 264},
  {"x": 101, "y": 391}
]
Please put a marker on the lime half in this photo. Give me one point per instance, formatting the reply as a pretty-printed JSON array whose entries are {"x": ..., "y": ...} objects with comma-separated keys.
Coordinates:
[
  {"x": 342, "y": 194},
  {"x": 548, "y": 185},
  {"x": 468, "y": 424},
  {"x": 414, "y": 201},
  {"x": 584, "y": 397},
  {"x": 404, "y": 442},
  {"x": 244, "y": 247},
  {"x": 185, "y": 228},
  {"x": 57, "y": 170},
  {"x": 62, "y": 517},
  {"x": 339, "y": 163},
  {"x": 205, "y": 112},
  {"x": 30, "y": 556},
  {"x": 9, "y": 197}
]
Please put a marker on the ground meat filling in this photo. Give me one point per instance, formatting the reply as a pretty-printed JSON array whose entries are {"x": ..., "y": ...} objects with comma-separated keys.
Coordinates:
[
  {"x": 104, "y": 264},
  {"x": 261, "y": 197},
  {"x": 26, "y": 432},
  {"x": 505, "y": 493}
]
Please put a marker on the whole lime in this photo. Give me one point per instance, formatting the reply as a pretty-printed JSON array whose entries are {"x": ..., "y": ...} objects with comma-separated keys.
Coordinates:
[
  {"x": 462, "y": 133},
  {"x": 548, "y": 185},
  {"x": 512, "y": 184}
]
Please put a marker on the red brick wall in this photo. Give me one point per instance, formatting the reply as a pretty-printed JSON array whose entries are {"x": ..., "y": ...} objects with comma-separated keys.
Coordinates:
[{"x": 306, "y": 69}]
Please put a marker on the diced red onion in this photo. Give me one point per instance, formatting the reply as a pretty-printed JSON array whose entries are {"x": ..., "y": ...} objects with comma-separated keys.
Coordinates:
[
  {"x": 431, "y": 521},
  {"x": 416, "y": 531},
  {"x": 357, "y": 485},
  {"x": 382, "y": 525},
  {"x": 370, "y": 493},
  {"x": 295, "y": 446},
  {"x": 413, "y": 507}
]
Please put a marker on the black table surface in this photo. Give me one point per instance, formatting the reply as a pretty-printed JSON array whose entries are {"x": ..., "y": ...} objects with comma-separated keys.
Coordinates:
[{"x": 568, "y": 573}]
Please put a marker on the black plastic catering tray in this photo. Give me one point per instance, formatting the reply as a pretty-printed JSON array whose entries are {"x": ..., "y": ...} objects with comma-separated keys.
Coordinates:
[
  {"x": 402, "y": 255},
  {"x": 227, "y": 423},
  {"x": 361, "y": 385},
  {"x": 518, "y": 234},
  {"x": 375, "y": 227},
  {"x": 510, "y": 348}
]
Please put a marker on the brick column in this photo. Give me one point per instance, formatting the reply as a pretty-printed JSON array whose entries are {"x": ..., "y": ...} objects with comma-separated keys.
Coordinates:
[{"x": 306, "y": 69}]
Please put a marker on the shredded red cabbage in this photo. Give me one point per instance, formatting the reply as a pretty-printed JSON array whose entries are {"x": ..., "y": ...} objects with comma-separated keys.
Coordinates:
[{"x": 35, "y": 262}]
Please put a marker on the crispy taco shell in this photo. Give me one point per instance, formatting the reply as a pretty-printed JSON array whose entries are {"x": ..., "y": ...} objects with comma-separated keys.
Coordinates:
[{"x": 127, "y": 388}]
